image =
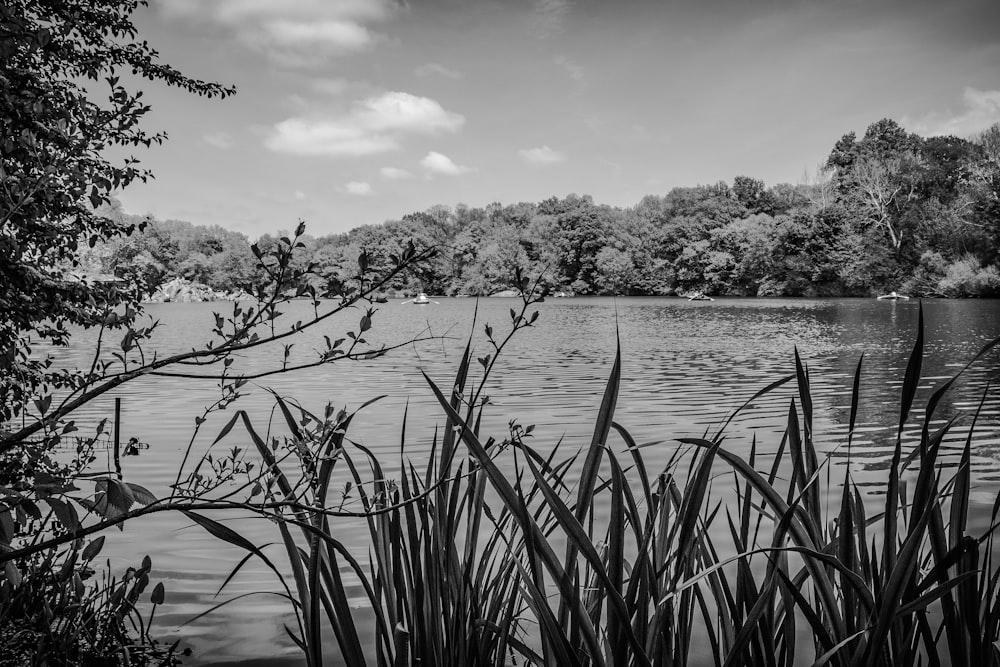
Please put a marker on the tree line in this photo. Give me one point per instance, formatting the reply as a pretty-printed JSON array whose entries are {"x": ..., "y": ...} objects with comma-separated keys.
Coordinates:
[{"x": 889, "y": 211}]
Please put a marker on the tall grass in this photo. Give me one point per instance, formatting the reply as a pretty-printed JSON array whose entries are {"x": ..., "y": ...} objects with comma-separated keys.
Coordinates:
[{"x": 591, "y": 557}]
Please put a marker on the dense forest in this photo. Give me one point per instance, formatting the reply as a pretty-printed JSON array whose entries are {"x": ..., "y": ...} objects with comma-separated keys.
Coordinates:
[{"x": 888, "y": 211}]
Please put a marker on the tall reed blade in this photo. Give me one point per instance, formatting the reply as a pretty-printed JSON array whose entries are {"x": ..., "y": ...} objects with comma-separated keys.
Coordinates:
[
  {"x": 855, "y": 399},
  {"x": 509, "y": 496},
  {"x": 912, "y": 377},
  {"x": 602, "y": 428}
]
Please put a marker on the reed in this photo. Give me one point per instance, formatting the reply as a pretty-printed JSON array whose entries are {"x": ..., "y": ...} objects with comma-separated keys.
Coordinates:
[{"x": 471, "y": 564}]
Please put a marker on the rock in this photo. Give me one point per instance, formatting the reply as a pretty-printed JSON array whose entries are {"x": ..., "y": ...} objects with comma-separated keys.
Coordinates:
[{"x": 185, "y": 291}]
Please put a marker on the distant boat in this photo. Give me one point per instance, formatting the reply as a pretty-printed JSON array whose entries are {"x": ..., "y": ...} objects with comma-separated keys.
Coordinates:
[
  {"x": 421, "y": 300},
  {"x": 560, "y": 295},
  {"x": 699, "y": 296},
  {"x": 892, "y": 296}
]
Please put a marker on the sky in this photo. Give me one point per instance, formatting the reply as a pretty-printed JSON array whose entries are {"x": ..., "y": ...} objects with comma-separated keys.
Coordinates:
[{"x": 353, "y": 112}]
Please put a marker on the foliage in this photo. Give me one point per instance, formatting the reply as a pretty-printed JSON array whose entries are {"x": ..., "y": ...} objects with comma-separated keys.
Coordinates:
[
  {"x": 472, "y": 565},
  {"x": 66, "y": 101},
  {"x": 861, "y": 228},
  {"x": 34, "y": 478},
  {"x": 968, "y": 277},
  {"x": 49, "y": 615}
]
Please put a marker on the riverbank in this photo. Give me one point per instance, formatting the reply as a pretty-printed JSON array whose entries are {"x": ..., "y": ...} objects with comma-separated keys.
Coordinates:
[{"x": 181, "y": 290}]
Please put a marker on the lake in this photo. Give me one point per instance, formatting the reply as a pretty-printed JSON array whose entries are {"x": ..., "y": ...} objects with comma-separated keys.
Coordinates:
[{"x": 685, "y": 367}]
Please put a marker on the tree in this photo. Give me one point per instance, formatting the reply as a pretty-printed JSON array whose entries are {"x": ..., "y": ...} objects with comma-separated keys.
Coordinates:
[
  {"x": 615, "y": 271},
  {"x": 876, "y": 176},
  {"x": 751, "y": 193},
  {"x": 578, "y": 231},
  {"x": 63, "y": 104}
]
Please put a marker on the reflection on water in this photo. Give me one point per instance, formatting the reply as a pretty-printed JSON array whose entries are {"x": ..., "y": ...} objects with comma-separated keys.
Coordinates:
[{"x": 686, "y": 367}]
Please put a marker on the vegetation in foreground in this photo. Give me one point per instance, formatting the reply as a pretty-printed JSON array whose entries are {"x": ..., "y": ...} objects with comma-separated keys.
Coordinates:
[{"x": 592, "y": 558}]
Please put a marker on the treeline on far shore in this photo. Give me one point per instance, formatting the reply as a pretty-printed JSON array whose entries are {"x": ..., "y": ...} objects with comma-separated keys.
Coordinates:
[{"x": 889, "y": 211}]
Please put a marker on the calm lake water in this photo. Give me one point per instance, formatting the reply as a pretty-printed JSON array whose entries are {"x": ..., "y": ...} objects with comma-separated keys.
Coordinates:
[{"x": 686, "y": 366}]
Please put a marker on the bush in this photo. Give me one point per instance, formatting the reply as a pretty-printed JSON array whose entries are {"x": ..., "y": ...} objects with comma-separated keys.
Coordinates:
[{"x": 967, "y": 277}]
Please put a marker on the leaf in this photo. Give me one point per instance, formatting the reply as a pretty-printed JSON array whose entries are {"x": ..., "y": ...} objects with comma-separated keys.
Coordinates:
[
  {"x": 117, "y": 494},
  {"x": 42, "y": 404},
  {"x": 13, "y": 574},
  {"x": 141, "y": 494},
  {"x": 226, "y": 534},
  {"x": 65, "y": 513},
  {"x": 93, "y": 548},
  {"x": 6, "y": 528}
]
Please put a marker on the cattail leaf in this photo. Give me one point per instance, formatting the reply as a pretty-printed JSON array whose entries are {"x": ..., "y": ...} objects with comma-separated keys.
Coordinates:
[{"x": 912, "y": 376}]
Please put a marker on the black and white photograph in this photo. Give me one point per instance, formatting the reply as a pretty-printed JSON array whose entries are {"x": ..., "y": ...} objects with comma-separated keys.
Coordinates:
[{"x": 499, "y": 333}]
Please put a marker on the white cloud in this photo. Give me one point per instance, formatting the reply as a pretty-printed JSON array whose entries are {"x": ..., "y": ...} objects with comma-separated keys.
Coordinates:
[
  {"x": 541, "y": 155},
  {"x": 394, "y": 173},
  {"x": 981, "y": 110},
  {"x": 442, "y": 164},
  {"x": 374, "y": 125},
  {"x": 235, "y": 11},
  {"x": 359, "y": 188},
  {"x": 344, "y": 35},
  {"x": 316, "y": 137},
  {"x": 437, "y": 69},
  {"x": 549, "y": 17},
  {"x": 299, "y": 195},
  {"x": 220, "y": 140},
  {"x": 573, "y": 69},
  {"x": 402, "y": 111},
  {"x": 294, "y": 32}
]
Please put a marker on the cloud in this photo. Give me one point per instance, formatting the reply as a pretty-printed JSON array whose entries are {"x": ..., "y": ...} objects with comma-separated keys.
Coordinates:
[
  {"x": 436, "y": 69},
  {"x": 374, "y": 125},
  {"x": 300, "y": 136},
  {"x": 549, "y": 17},
  {"x": 394, "y": 173},
  {"x": 298, "y": 195},
  {"x": 575, "y": 71},
  {"x": 221, "y": 140},
  {"x": 329, "y": 86},
  {"x": 297, "y": 33},
  {"x": 982, "y": 109},
  {"x": 344, "y": 35},
  {"x": 541, "y": 155},
  {"x": 359, "y": 188},
  {"x": 402, "y": 111},
  {"x": 442, "y": 164}
]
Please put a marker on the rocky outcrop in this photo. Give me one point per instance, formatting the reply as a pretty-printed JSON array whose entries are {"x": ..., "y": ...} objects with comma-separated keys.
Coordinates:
[{"x": 183, "y": 290}]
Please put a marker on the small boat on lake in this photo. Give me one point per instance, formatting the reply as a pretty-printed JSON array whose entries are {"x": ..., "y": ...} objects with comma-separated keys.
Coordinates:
[
  {"x": 892, "y": 296},
  {"x": 420, "y": 299},
  {"x": 699, "y": 296}
]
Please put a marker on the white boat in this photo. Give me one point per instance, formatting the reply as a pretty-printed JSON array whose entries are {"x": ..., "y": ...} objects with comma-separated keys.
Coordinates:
[
  {"x": 699, "y": 296},
  {"x": 421, "y": 300},
  {"x": 892, "y": 296}
]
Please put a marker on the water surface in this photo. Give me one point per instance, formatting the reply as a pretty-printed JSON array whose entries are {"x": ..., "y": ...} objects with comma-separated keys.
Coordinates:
[{"x": 685, "y": 367}]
